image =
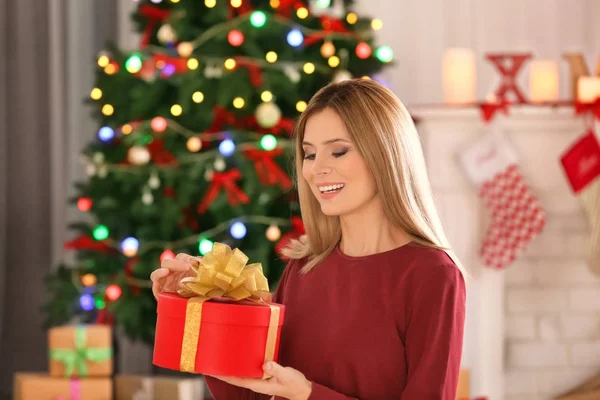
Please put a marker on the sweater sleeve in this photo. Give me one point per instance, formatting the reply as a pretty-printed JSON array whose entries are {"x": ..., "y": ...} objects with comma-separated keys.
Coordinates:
[
  {"x": 434, "y": 335},
  {"x": 224, "y": 391}
]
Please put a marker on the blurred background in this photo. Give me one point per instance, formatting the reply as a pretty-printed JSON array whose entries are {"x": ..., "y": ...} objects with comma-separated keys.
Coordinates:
[{"x": 134, "y": 130}]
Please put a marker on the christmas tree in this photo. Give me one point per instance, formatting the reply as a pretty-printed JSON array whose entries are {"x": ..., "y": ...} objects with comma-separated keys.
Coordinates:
[{"x": 193, "y": 143}]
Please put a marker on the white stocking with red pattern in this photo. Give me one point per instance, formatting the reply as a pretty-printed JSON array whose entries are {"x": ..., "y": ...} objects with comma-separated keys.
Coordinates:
[{"x": 517, "y": 217}]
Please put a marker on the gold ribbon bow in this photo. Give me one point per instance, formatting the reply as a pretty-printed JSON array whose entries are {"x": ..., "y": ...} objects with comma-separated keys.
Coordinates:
[{"x": 223, "y": 273}]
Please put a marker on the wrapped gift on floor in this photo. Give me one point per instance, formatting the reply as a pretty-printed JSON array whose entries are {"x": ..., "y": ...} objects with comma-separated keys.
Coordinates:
[
  {"x": 221, "y": 321},
  {"x": 80, "y": 351},
  {"x": 38, "y": 386},
  {"x": 134, "y": 387}
]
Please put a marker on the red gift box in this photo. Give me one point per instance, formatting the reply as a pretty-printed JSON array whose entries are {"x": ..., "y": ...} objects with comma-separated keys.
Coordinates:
[{"x": 218, "y": 323}]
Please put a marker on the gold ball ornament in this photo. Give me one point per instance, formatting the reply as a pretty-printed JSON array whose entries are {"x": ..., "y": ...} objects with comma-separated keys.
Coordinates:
[
  {"x": 167, "y": 34},
  {"x": 273, "y": 233},
  {"x": 138, "y": 155},
  {"x": 268, "y": 115}
]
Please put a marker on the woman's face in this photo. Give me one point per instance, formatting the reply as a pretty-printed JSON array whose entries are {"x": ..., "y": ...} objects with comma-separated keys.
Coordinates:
[{"x": 334, "y": 170}]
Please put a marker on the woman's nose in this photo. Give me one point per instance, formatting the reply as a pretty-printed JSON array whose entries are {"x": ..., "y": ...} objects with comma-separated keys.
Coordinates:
[{"x": 321, "y": 166}]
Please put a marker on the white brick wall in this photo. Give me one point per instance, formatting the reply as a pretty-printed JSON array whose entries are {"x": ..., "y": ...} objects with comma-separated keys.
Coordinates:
[
  {"x": 552, "y": 298},
  {"x": 551, "y": 319}
]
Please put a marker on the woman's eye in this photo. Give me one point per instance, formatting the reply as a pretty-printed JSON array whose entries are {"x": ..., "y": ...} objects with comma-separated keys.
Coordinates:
[
  {"x": 340, "y": 153},
  {"x": 309, "y": 157}
]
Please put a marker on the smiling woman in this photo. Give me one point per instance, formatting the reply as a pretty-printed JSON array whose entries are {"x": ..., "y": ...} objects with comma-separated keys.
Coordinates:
[{"x": 374, "y": 296}]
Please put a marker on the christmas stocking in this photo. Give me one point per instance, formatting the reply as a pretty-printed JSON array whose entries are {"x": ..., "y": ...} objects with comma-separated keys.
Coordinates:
[
  {"x": 517, "y": 217},
  {"x": 581, "y": 163}
]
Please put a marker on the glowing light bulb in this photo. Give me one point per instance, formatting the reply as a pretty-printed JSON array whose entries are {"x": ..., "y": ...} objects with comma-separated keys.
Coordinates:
[
  {"x": 130, "y": 246},
  {"x": 227, "y": 147},
  {"x": 103, "y": 61},
  {"x": 106, "y": 133},
  {"x": 376, "y": 24},
  {"x": 96, "y": 94},
  {"x": 384, "y": 54},
  {"x": 238, "y": 102},
  {"x": 100, "y": 232},
  {"x": 302, "y": 12},
  {"x": 274, "y": 3},
  {"x": 351, "y": 18},
  {"x": 235, "y": 38},
  {"x": 266, "y": 96},
  {"x": 176, "y": 110},
  {"x": 108, "y": 110},
  {"x": 333, "y": 61},
  {"x": 126, "y": 129},
  {"x": 236, "y": 3},
  {"x": 323, "y": 3},
  {"x": 113, "y": 292},
  {"x": 309, "y": 68},
  {"x": 210, "y": 3},
  {"x": 229, "y": 63},
  {"x": 86, "y": 302},
  {"x": 258, "y": 19},
  {"x": 193, "y": 64},
  {"x": 301, "y": 106},
  {"x": 89, "y": 280},
  {"x": 194, "y": 144},
  {"x": 158, "y": 124},
  {"x": 133, "y": 64},
  {"x": 84, "y": 204},
  {"x": 268, "y": 142},
  {"x": 295, "y": 38},
  {"x": 205, "y": 246},
  {"x": 198, "y": 97},
  {"x": 271, "y": 57},
  {"x": 363, "y": 50},
  {"x": 111, "y": 69},
  {"x": 238, "y": 230}
]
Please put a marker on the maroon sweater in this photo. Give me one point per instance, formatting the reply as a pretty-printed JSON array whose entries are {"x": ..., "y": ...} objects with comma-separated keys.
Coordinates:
[{"x": 379, "y": 327}]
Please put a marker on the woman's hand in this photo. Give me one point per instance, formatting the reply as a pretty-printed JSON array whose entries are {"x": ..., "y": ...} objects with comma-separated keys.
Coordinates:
[
  {"x": 284, "y": 382},
  {"x": 171, "y": 271}
]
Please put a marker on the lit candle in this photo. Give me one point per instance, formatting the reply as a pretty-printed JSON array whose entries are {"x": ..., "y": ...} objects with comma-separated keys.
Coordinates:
[
  {"x": 543, "y": 81},
  {"x": 588, "y": 88},
  {"x": 459, "y": 76}
]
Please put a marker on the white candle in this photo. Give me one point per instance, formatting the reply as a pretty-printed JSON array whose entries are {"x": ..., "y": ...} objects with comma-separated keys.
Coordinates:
[
  {"x": 588, "y": 88},
  {"x": 543, "y": 81},
  {"x": 459, "y": 76}
]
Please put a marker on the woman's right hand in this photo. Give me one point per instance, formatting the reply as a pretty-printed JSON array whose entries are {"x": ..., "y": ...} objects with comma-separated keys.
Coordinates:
[{"x": 171, "y": 271}]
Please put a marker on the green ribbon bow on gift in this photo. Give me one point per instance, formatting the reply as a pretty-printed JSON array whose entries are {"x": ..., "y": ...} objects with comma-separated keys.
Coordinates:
[{"x": 76, "y": 358}]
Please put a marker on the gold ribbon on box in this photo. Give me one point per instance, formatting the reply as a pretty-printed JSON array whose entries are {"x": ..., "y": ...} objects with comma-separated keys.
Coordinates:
[{"x": 223, "y": 273}]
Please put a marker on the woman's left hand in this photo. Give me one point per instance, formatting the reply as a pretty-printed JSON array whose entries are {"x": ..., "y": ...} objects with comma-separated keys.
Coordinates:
[{"x": 284, "y": 382}]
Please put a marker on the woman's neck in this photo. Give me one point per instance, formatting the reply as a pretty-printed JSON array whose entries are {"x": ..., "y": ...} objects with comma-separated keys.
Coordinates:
[{"x": 369, "y": 231}]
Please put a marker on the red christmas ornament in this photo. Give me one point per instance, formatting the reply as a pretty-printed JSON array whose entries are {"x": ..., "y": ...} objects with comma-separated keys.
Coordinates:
[
  {"x": 254, "y": 70},
  {"x": 509, "y": 73}
]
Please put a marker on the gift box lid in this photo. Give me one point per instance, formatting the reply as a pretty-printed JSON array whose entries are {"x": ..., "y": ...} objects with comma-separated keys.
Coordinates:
[{"x": 220, "y": 311}]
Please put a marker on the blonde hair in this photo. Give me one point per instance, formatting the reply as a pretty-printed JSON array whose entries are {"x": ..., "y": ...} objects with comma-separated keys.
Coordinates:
[{"x": 385, "y": 135}]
